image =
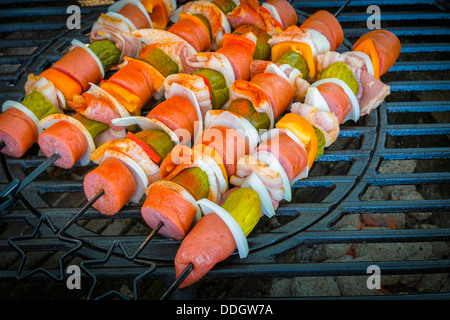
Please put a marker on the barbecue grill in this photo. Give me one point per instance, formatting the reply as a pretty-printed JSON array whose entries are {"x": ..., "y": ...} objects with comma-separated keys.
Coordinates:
[{"x": 362, "y": 177}]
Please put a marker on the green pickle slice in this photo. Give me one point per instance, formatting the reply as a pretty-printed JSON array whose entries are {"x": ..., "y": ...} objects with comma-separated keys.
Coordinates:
[
  {"x": 244, "y": 108},
  {"x": 94, "y": 127},
  {"x": 194, "y": 180},
  {"x": 320, "y": 143},
  {"x": 262, "y": 49},
  {"x": 225, "y": 5},
  {"x": 219, "y": 90},
  {"x": 205, "y": 21},
  {"x": 295, "y": 60},
  {"x": 341, "y": 71},
  {"x": 107, "y": 52},
  {"x": 37, "y": 103},
  {"x": 161, "y": 61},
  {"x": 159, "y": 141},
  {"x": 245, "y": 207}
]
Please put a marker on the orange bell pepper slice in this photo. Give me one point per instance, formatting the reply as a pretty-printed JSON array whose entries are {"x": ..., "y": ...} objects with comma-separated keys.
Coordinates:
[
  {"x": 158, "y": 13},
  {"x": 130, "y": 101},
  {"x": 368, "y": 47},
  {"x": 303, "y": 130},
  {"x": 63, "y": 82},
  {"x": 301, "y": 47}
]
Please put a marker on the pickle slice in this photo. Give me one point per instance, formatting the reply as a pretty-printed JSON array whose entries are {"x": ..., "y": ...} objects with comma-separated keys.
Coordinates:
[
  {"x": 194, "y": 180},
  {"x": 245, "y": 207},
  {"x": 159, "y": 141},
  {"x": 295, "y": 60},
  {"x": 107, "y": 52},
  {"x": 341, "y": 71}
]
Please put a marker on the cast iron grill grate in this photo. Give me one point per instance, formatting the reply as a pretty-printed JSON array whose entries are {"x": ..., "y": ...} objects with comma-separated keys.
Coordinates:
[{"x": 350, "y": 182}]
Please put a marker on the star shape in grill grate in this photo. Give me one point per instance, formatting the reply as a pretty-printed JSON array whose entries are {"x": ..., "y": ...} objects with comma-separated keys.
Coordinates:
[
  {"x": 12, "y": 241},
  {"x": 123, "y": 254}
]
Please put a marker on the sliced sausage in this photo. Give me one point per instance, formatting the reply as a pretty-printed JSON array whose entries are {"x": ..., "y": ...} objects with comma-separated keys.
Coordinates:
[
  {"x": 17, "y": 131},
  {"x": 239, "y": 51},
  {"x": 194, "y": 31},
  {"x": 291, "y": 156},
  {"x": 327, "y": 24},
  {"x": 65, "y": 139},
  {"x": 228, "y": 143},
  {"x": 168, "y": 206},
  {"x": 176, "y": 113},
  {"x": 115, "y": 179},
  {"x": 387, "y": 44},
  {"x": 336, "y": 98},
  {"x": 81, "y": 66},
  {"x": 135, "y": 15},
  {"x": 286, "y": 12},
  {"x": 278, "y": 89},
  {"x": 209, "y": 242}
]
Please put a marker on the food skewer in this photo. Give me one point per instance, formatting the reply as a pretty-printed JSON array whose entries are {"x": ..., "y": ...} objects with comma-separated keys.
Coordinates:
[{"x": 189, "y": 266}]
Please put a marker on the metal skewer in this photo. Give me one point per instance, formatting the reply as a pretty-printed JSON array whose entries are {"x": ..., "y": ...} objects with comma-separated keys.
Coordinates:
[
  {"x": 82, "y": 211},
  {"x": 178, "y": 281},
  {"x": 15, "y": 186},
  {"x": 342, "y": 8}
]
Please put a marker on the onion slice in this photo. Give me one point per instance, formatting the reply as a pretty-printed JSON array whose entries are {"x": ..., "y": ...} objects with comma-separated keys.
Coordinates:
[
  {"x": 147, "y": 123},
  {"x": 364, "y": 56},
  {"x": 314, "y": 98},
  {"x": 234, "y": 121},
  {"x": 254, "y": 182},
  {"x": 208, "y": 207},
  {"x": 51, "y": 119},
  {"x": 320, "y": 41}
]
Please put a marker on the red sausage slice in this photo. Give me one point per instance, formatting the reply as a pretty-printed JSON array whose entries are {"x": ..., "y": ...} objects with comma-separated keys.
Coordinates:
[
  {"x": 239, "y": 51},
  {"x": 136, "y": 16},
  {"x": 325, "y": 23},
  {"x": 336, "y": 98},
  {"x": 229, "y": 144},
  {"x": 176, "y": 113},
  {"x": 388, "y": 47},
  {"x": 80, "y": 66},
  {"x": 209, "y": 242},
  {"x": 291, "y": 156},
  {"x": 278, "y": 89},
  {"x": 65, "y": 139},
  {"x": 18, "y": 132},
  {"x": 168, "y": 206},
  {"x": 285, "y": 11},
  {"x": 114, "y": 178}
]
